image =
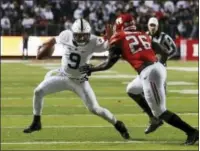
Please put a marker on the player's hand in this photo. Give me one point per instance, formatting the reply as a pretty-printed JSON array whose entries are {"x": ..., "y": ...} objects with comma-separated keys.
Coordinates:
[
  {"x": 86, "y": 69},
  {"x": 39, "y": 50},
  {"x": 44, "y": 51}
]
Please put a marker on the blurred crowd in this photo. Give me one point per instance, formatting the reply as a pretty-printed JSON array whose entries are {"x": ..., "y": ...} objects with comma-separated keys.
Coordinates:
[{"x": 49, "y": 17}]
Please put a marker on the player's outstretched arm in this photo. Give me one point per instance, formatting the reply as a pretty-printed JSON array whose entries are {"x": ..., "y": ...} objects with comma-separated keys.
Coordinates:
[
  {"x": 46, "y": 49},
  {"x": 161, "y": 50},
  {"x": 113, "y": 57}
]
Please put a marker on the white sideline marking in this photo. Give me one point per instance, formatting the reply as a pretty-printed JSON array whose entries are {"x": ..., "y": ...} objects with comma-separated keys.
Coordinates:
[
  {"x": 183, "y": 68},
  {"x": 138, "y": 114},
  {"x": 190, "y": 69},
  {"x": 117, "y": 76},
  {"x": 99, "y": 98},
  {"x": 96, "y": 73},
  {"x": 74, "y": 106},
  {"x": 88, "y": 142},
  {"x": 185, "y": 91},
  {"x": 50, "y": 68},
  {"x": 173, "y": 83},
  {"x": 14, "y": 61},
  {"x": 180, "y": 83},
  {"x": 80, "y": 126},
  {"x": 62, "y": 98},
  {"x": 44, "y": 64},
  {"x": 106, "y": 71}
]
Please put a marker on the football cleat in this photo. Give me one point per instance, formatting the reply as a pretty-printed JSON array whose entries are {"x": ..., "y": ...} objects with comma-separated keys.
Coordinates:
[
  {"x": 154, "y": 124},
  {"x": 121, "y": 128},
  {"x": 192, "y": 138},
  {"x": 35, "y": 126}
]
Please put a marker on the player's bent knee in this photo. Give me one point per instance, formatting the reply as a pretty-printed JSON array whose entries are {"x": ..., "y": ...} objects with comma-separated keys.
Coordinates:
[
  {"x": 136, "y": 97},
  {"x": 158, "y": 113},
  {"x": 128, "y": 89},
  {"x": 38, "y": 92},
  {"x": 166, "y": 116},
  {"x": 132, "y": 89},
  {"x": 94, "y": 109}
]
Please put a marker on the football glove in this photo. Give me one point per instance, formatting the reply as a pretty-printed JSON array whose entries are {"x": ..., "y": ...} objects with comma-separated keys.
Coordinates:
[{"x": 86, "y": 69}]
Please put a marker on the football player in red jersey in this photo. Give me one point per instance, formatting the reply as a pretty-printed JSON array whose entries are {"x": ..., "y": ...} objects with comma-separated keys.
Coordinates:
[{"x": 138, "y": 50}]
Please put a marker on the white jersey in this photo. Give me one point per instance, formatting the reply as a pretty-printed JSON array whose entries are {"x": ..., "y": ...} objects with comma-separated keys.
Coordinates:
[{"x": 75, "y": 56}]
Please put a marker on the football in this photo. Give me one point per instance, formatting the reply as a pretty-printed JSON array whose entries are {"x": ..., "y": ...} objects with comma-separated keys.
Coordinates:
[{"x": 44, "y": 51}]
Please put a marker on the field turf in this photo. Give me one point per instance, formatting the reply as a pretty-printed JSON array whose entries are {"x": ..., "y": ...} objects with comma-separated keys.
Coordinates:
[{"x": 68, "y": 125}]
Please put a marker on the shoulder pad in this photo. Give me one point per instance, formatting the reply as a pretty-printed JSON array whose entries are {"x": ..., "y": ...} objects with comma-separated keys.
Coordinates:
[
  {"x": 116, "y": 38},
  {"x": 65, "y": 32},
  {"x": 64, "y": 37}
]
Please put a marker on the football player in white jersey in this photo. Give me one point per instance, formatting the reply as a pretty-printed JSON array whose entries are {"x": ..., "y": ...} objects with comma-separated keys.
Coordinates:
[
  {"x": 78, "y": 46},
  {"x": 134, "y": 88}
]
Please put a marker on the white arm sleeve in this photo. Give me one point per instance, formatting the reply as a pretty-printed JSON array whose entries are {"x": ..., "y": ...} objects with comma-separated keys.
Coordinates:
[{"x": 101, "y": 44}]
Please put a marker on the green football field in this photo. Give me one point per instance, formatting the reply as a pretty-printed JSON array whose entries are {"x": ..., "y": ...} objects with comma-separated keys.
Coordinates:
[{"x": 68, "y": 125}]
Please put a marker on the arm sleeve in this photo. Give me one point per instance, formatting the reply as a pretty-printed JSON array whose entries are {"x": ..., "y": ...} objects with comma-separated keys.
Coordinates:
[{"x": 101, "y": 44}]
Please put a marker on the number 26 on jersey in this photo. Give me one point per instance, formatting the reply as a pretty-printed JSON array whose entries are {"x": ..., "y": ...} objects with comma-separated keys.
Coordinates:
[{"x": 138, "y": 43}]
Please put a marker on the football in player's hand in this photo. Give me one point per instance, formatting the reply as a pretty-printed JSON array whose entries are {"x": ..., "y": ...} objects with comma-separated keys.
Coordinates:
[{"x": 44, "y": 51}]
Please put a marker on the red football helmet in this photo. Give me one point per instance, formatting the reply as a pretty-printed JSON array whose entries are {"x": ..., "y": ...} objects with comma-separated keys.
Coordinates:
[{"x": 124, "y": 22}]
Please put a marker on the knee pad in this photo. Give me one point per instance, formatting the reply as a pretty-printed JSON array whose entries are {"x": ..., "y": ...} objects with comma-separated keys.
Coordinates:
[{"x": 166, "y": 116}]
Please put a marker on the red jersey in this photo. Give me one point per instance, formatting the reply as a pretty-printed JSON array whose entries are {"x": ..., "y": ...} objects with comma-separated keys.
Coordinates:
[{"x": 136, "y": 48}]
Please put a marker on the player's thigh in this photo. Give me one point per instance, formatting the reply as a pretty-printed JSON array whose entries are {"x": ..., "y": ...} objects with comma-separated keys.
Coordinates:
[
  {"x": 154, "y": 90},
  {"x": 86, "y": 93},
  {"x": 54, "y": 84},
  {"x": 52, "y": 73},
  {"x": 155, "y": 96},
  {"x": 135, "y": 86}
]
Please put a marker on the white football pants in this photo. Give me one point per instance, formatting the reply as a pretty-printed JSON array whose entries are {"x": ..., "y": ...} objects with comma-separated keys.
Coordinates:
[
  {"x": 151, "y": 81},
  {"x": 60, "y": 82}
]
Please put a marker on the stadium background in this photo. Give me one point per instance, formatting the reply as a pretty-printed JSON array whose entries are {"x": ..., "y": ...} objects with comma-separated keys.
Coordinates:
[
  {"x": 178, "y": 18},
  {"x": 67, "y": 125}
]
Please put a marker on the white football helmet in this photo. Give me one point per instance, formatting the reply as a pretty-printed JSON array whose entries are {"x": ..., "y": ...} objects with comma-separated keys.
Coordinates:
[
  {"x": 153, "y": 25},
  {"x": 81, "y": 31}
]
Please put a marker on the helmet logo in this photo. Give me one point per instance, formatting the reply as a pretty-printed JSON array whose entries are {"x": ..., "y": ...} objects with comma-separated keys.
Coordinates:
[
  {"x": 81, "y": 24},
  {"x": 119, "y": 20}
]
